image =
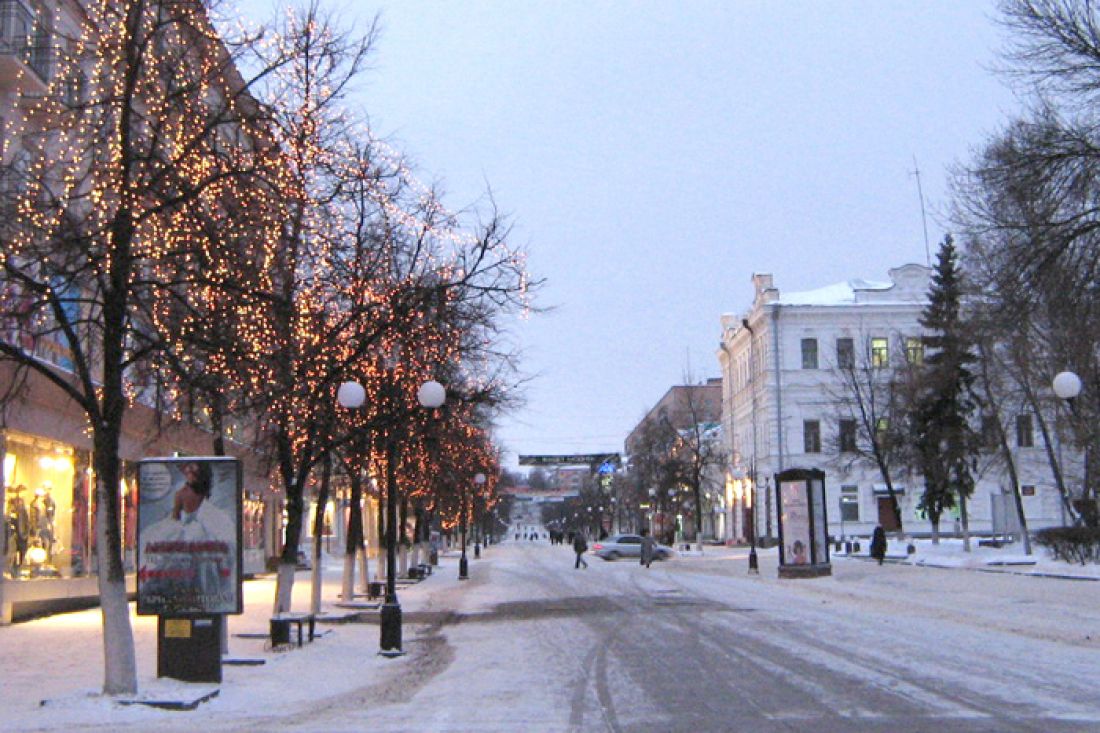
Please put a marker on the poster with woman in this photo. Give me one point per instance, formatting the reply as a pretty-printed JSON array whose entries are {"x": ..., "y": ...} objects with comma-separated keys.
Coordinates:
[
  {"x": 189, "y": 536},
  {"x": 795, "y": 522}
]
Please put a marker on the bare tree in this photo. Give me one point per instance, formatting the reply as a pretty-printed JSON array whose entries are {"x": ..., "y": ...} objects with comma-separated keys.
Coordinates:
[{"x": 871, "y": 423}]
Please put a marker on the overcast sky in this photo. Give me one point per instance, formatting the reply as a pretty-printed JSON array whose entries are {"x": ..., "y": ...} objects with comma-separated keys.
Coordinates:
[{"x": 654, "y": 155}]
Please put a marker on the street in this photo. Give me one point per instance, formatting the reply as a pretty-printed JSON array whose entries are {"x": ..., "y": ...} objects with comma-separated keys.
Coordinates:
[{"x": 694, "y": 644}]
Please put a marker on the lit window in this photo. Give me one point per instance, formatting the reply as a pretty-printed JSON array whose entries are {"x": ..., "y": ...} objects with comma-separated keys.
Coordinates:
[
  {"x": 914, "y": 350},
  {"x": 880, "y": 352}
]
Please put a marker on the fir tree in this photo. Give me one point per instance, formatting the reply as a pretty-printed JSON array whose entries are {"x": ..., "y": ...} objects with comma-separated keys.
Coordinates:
[{"x": 944, "y": 439}]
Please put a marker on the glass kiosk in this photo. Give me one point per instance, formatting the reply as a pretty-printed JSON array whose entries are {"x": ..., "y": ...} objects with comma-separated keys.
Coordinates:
[{"x": 803, "y": 524}]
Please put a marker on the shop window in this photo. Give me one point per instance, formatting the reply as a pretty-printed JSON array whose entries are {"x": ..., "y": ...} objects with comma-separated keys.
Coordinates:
[{"x": 38, "y": 507}]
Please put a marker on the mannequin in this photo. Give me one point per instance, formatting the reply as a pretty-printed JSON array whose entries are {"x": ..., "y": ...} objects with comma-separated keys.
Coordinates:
[
  {"x": 18, "y": 527},
  {"x": 43, "y": 509}
]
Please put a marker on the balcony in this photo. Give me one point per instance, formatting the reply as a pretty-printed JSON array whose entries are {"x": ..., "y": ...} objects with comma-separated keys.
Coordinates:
[{"x": 25, "y": 52}]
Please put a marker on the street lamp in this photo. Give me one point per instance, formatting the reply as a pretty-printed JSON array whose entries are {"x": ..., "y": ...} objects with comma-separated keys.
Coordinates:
[
  {"x": 754, "y": 564},
  {"x": 351, "y": 395},
  {"x": 1067, "y": 386},
  {"x": 479, "y": 479}
]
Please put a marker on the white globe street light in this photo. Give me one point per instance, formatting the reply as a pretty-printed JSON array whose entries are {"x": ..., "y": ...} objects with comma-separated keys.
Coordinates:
[
  {"x": 1067, "y": 385},
  {"x": 352, "y": 395},
  {"x": 432, "y": 395}
]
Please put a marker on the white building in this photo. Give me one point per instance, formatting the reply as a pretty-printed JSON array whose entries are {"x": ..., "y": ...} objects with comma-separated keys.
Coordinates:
[{"x": 786, "y": 404}]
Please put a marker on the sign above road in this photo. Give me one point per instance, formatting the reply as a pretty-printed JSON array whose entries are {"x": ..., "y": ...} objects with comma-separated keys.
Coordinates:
[{"x": 575, "y": 459}]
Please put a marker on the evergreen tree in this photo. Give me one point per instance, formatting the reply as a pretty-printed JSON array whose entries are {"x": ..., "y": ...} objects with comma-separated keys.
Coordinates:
[{"x": 944, "y": 440}]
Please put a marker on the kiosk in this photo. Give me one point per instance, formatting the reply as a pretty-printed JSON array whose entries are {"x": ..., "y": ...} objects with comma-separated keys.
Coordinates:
[{"x": 803, "y": 524}]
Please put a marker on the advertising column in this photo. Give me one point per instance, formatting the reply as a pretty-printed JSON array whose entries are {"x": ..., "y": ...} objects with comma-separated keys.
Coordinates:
[
  {"x": 803, "y": 525},
  {"x": 189, "y": 559}
]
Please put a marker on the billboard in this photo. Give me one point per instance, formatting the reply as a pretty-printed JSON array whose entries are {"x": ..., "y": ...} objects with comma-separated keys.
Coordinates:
[
  {"x": 189, "y": 536},
  {"x": 575, "y": 459}
]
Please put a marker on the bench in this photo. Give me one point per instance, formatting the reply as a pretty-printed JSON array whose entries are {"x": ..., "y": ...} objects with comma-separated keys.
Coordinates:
[{"x": 281, "y": 623}]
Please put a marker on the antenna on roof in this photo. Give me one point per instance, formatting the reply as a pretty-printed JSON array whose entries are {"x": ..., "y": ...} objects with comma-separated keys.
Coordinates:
[{"x": 923, "y": 217}]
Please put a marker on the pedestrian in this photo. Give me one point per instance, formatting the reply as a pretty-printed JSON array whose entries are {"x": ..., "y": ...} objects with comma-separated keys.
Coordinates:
[
  {"x": 878, "y": 544},
  {"x": 579, "y": 547},
  {"x": 648, "y": 547}
]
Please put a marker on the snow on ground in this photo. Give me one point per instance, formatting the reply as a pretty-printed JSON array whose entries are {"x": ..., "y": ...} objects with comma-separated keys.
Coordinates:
[{"x": 52, "y": 667}]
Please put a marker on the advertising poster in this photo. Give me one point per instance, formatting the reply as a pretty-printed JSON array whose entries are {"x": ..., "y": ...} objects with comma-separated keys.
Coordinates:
[
  {"x": 796, "y": 523},
  {"x": 821, "y": 538},
  {"x": 189, "y": 532}
]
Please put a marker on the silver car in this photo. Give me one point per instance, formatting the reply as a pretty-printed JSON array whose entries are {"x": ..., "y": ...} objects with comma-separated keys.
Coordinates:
[{"x": 628, "y": 545}]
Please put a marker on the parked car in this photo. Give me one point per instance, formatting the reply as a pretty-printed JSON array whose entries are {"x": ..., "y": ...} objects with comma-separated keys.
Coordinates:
[{"x": 628, "y": 545}]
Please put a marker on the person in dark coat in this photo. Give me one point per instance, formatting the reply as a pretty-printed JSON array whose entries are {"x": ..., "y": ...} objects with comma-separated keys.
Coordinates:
[
  {"x": 648, "y": 548},
  {"x": 579, "y": 547},
  {"x": 878, "y": 544}
]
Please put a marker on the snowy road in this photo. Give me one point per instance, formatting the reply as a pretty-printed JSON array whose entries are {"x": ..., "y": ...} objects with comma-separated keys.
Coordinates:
[{"x": 530, "y": 644}]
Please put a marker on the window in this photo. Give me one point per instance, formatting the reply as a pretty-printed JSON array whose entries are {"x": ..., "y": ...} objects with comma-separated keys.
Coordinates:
[
  {"x": 849, "y": 503},
  {"x": 1025, "y": 436},
  {"x": 914, "y": 350},
  {"x": 990, "y": 431},
  {"x": 1027, "y": 490},
  {"x": 880, "y": 352},
  {"x": 809, "y": 353},
  {"x": 845, "y": 353},
  {"x": 882, "y": 426},
  {"x": 811, "y": 436},
  {"x": 847, "y": 436}
]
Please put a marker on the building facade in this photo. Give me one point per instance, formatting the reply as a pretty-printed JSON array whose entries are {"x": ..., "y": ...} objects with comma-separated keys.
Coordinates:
[
  {"x": 792, "y": 366},
  {"x": 692, "y": 412},
  {"x": 47, "y": 486}
]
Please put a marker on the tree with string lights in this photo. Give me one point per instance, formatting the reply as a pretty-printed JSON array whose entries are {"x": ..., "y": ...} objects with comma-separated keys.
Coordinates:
[{"x": 146, "y": 129}]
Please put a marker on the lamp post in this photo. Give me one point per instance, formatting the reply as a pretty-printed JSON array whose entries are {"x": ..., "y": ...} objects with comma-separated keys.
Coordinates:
[
  {"x": 1067, "y": 385},
  {"x": 351, "y": 395},
  {"x": 754, "y": 564},
  {"x": 479, "y": 479}
]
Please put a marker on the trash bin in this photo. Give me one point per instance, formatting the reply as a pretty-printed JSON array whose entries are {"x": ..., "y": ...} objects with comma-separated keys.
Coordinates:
[
  {"x": 280, "y": 631},
  {"x": 433, "y": 557},
  {"x": 189, "y": 648},
  {"x": 374, "y": 589}
]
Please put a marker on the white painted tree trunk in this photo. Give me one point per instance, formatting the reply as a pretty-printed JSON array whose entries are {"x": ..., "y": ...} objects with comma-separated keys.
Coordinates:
[
  {"x": 415, "y": 559},
  {"x": 119, "y": 659},
  {"x": 347, "y": 587},
  {"x": 120, "y": 666},
  {"x": 364, "y": 570},
  {"x": 284, "y": 587},
  {"x": 315, "y": 579},
  {"x": 402, "y": 561}
]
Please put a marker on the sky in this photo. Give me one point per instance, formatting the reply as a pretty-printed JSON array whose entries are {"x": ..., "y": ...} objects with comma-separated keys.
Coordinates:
[{"x": 653, "y": 155}]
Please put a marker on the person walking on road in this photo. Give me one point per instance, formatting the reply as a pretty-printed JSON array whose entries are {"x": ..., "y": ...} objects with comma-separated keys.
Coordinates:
[
  {"x": 878, "y": 544},
  {"x": 648, "y": 546},
  {"x": 579, "y": 547}
]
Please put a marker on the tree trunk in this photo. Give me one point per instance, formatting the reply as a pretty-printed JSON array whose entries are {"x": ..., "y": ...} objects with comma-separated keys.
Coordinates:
[
  {"x": 316, "y": 573},
  {"x": 120, "y": 666},
  {"x": 965, "y": 517}
]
